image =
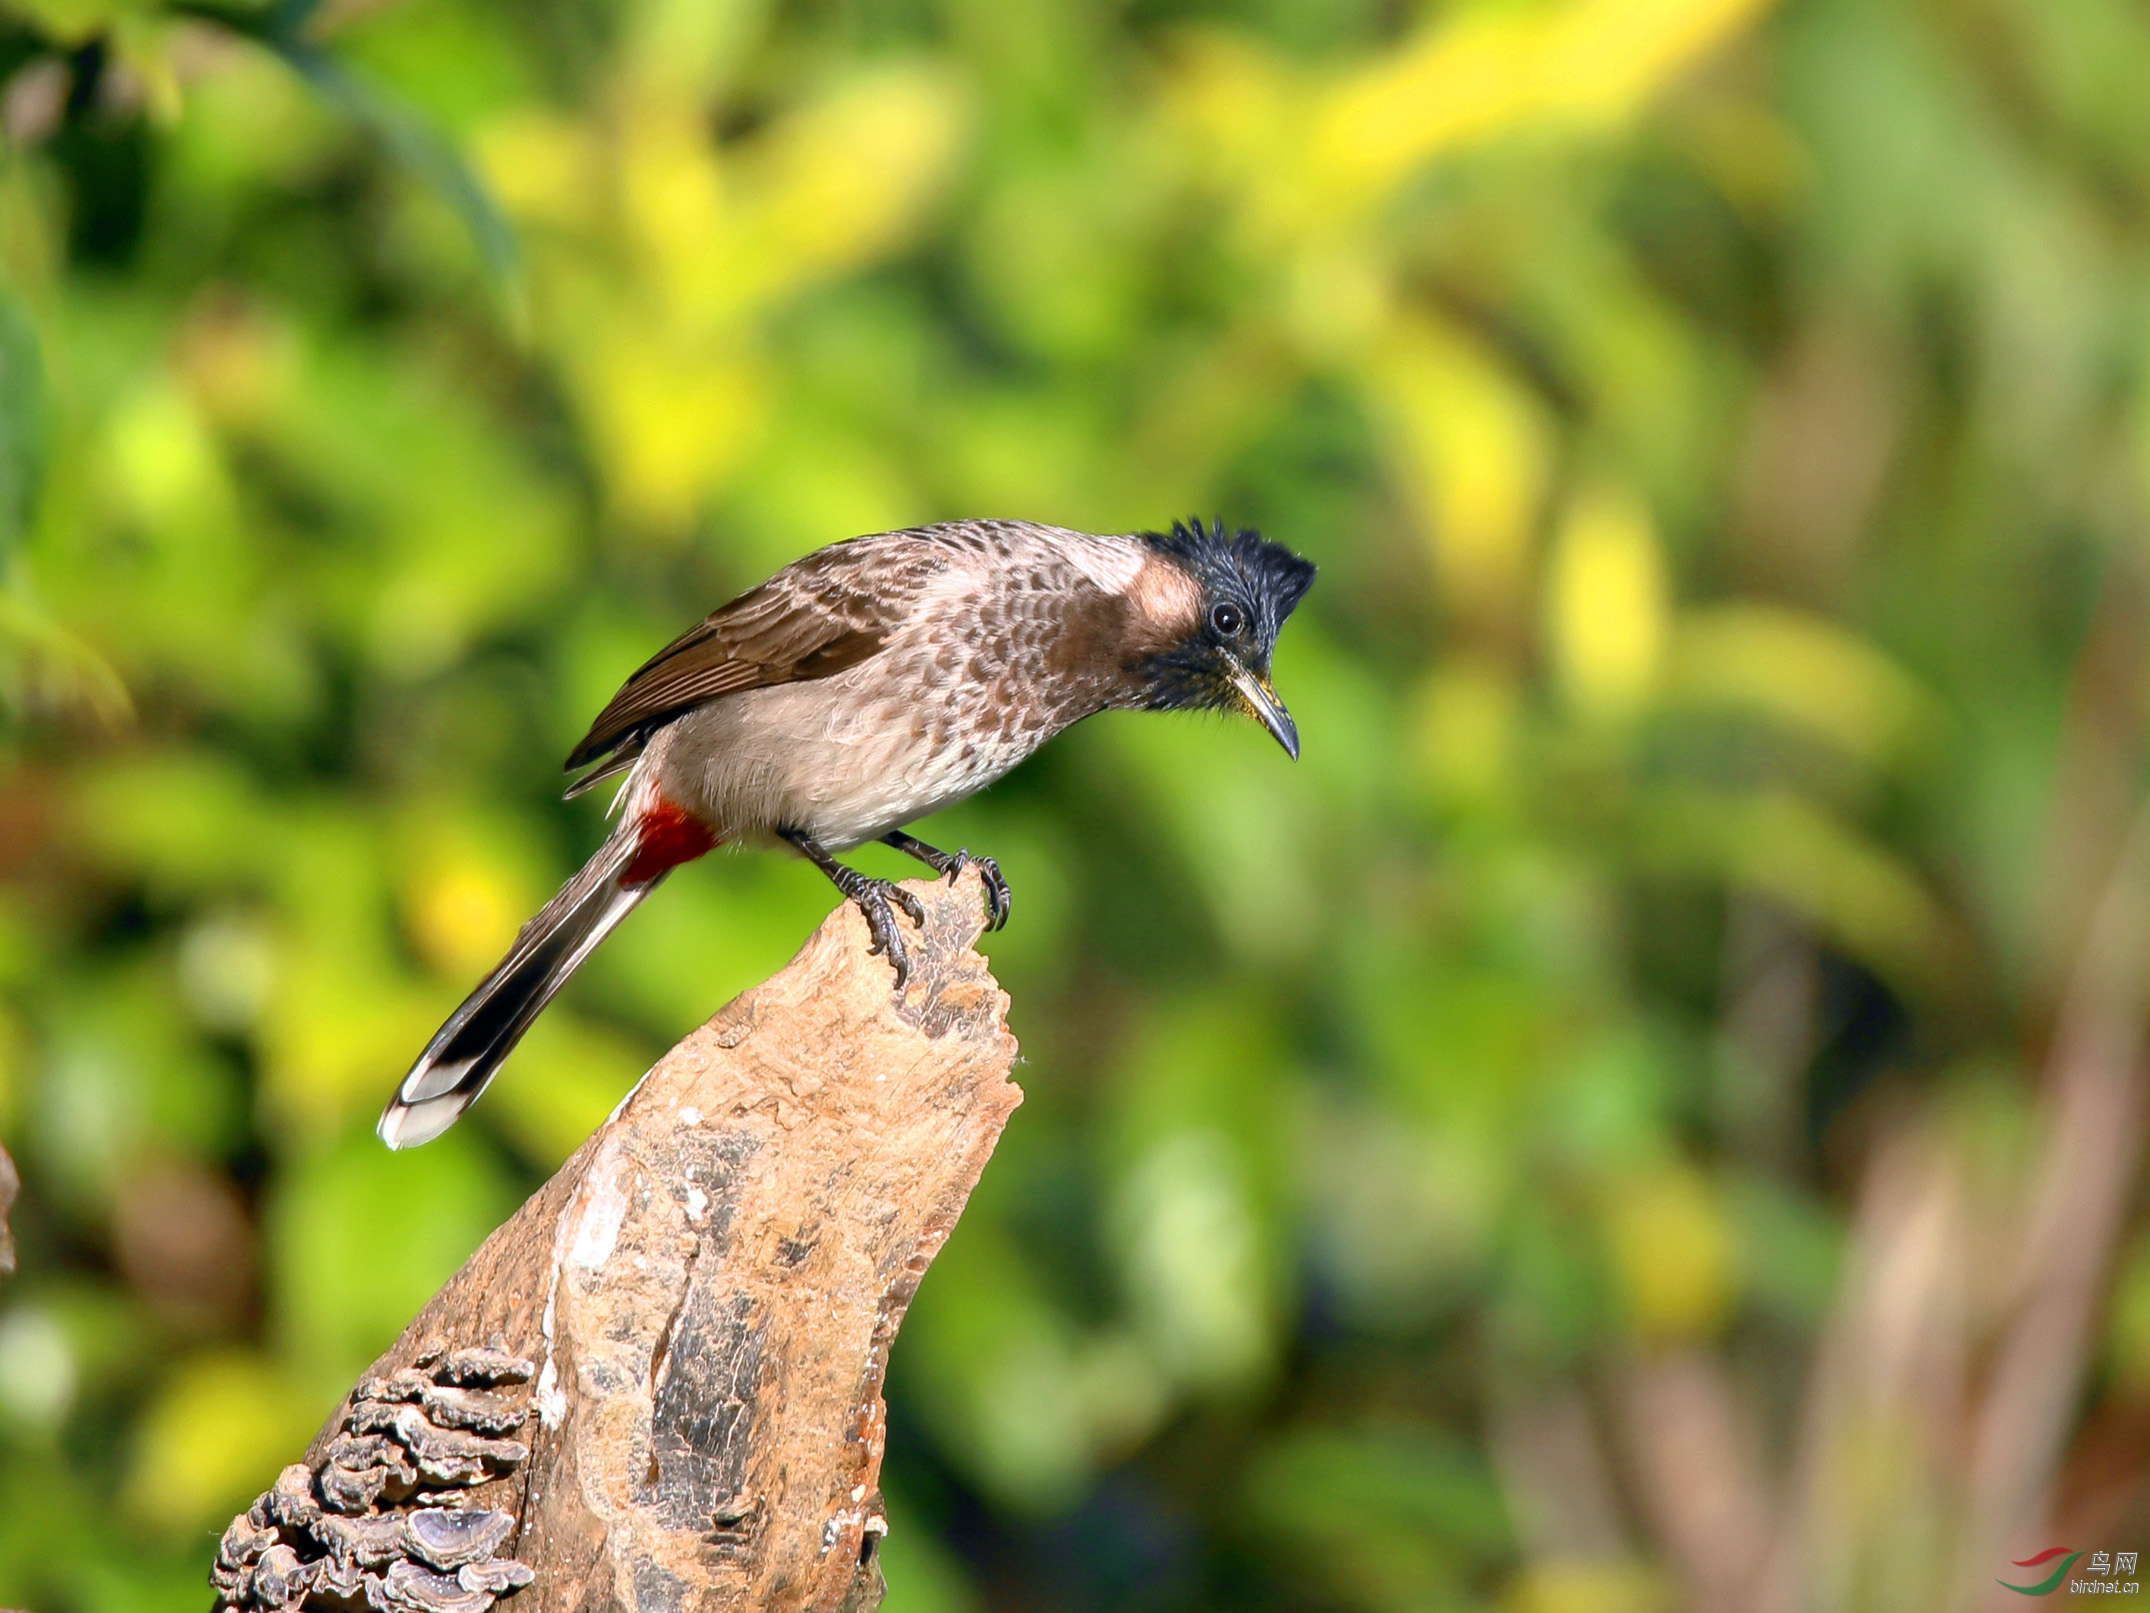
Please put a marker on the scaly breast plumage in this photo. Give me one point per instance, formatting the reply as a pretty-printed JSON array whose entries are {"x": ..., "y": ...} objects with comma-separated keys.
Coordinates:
[
  {"x": 847, "y": 758},
  {"x": 951, "y": 703}
]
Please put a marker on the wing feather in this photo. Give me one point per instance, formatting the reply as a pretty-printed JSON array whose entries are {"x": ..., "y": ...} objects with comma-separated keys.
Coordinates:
[{"x": 816, "y": 617}]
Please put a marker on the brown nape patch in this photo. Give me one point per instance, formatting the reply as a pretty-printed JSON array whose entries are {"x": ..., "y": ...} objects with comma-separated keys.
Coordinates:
[{"x": 1163, "y": 605}]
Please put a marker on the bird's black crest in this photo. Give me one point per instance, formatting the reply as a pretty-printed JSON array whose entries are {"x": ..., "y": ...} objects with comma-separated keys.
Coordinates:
[
  {"x": 1266, "y": 577},
  {"x": 1249, "y": 585}
]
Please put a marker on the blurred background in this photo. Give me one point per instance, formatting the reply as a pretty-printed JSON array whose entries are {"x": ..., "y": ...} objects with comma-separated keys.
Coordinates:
[{"x": 1645, "y": 1116}]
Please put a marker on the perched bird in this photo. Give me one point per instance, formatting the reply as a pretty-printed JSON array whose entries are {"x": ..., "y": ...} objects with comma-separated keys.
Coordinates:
[{"x": 868, "y": 684}]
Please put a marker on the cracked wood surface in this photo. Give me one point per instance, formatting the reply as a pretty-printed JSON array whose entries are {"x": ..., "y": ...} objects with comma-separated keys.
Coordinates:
[{"x": 709, "y": 1287}]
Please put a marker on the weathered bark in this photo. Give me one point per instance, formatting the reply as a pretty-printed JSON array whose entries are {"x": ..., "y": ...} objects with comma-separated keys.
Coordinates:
[{"x": 702, "y": 1302}]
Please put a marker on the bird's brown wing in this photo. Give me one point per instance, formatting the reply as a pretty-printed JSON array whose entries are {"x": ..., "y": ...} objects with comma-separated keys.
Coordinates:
[{"x": 814, "y": 618}]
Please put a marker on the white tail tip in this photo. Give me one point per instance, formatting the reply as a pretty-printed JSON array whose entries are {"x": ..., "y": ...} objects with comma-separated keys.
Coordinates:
[{"x": 406, "y": 1125}]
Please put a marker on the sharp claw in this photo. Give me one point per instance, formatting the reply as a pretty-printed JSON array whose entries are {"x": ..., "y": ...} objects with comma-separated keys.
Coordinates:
[
  {"x": 996, "y": 888},
  {"x": 998, "y": 900},
  {"x": 877, "y": 900}
]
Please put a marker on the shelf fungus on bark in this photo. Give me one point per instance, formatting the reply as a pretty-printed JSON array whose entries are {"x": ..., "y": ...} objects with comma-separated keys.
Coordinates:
[{"x": 374, "y": 1526}]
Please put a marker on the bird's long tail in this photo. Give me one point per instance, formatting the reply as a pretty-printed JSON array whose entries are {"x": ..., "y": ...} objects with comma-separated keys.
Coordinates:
[{"x": 465, "y": 1052}]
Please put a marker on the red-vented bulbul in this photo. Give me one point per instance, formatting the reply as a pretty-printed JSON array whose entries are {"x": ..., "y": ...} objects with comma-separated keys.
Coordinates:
[{"x": 868, "y": 684}]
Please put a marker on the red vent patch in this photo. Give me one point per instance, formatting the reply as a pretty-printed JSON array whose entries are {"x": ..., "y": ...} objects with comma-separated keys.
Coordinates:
[{"x": 667, "y": 836}]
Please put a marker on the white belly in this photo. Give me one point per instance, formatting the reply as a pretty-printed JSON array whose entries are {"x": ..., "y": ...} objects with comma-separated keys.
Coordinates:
[{"x": 828, "y": 759}]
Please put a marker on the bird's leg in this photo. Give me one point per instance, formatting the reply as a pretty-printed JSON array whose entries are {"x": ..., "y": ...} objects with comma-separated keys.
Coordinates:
[
  {"x": 997, "y": 899},
  {"x": 874, "y": 897}
]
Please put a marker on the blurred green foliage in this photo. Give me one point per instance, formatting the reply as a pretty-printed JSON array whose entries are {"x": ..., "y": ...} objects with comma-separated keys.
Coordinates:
[{"x": 1723, "y": 433}]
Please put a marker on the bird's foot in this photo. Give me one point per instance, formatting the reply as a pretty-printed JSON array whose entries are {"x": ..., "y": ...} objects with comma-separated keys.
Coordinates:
[
  {"x": 877, "y": 899},
  {"x": 998, "y": 899}
]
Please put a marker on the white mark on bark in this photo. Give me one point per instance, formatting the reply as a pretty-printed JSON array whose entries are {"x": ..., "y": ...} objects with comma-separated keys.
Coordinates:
[
  {"x": 551, "y": 1398},
  {"x": 599, "y": 1225},
  {"x": 629, "y": 1094}
]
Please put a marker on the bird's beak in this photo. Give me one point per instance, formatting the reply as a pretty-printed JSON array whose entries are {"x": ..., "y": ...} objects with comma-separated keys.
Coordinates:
[{"x": 1263, "y": 704}]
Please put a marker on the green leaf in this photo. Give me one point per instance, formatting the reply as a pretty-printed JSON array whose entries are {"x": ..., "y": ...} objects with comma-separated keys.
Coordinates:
[
  {"x": 22, "y": 425},
  {"x": 408, "y": 136},
  {"x": 419, "y": 147}
]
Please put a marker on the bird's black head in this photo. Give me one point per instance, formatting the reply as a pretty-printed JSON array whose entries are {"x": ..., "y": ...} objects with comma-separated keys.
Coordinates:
[{"x": 1248, "y": 587}]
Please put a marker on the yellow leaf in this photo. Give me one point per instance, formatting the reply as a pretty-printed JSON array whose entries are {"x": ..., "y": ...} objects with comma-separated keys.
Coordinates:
[
  {"x": 1609, "y": 57},
  {"x": 467, "y": 880},
  {"x": 463, "y": 915},
  {"x": 337, "y": 1034},
  {"x": 684, "y": 50},
  {"x": 846, "y": 179},
  {"x": 1468, "y": 718},
  {"x": 671, "y": 422},
  {"x": 1750, "y": 153},
  {"x": 673, "y": 197},
  {"x": 541, "y": 167},
  {"x": 163, "y": 460},
  {"x": 1237, "y": 114},
  {"x": 216, "y": 1436},
  {"x": 1590, "y": 64},
  {"x": 1803, "y": 671},
  {"x": 1471, "y": 446},
  {"x": 1589, "y": 1587},
  {"x": 143, "y": 45},
  {"x": 343, "y": 1019},
  {"x": 1672, "y": 1251},
  {"x": 1606, "y": 604},
  {"x": 1230, "y": 101},
  {"x": 73, "y": 21}
]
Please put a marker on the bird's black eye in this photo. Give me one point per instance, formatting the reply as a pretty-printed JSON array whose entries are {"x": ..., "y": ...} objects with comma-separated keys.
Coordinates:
[{"x": 1227, "y": 620}]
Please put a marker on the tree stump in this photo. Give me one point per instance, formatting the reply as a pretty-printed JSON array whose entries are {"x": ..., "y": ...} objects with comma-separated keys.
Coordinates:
[{"x": 658, "y": 1386}]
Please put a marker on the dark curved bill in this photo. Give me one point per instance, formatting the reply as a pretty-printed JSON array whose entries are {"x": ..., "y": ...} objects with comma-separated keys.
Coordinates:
[{"x": 1263, "y": 703}]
